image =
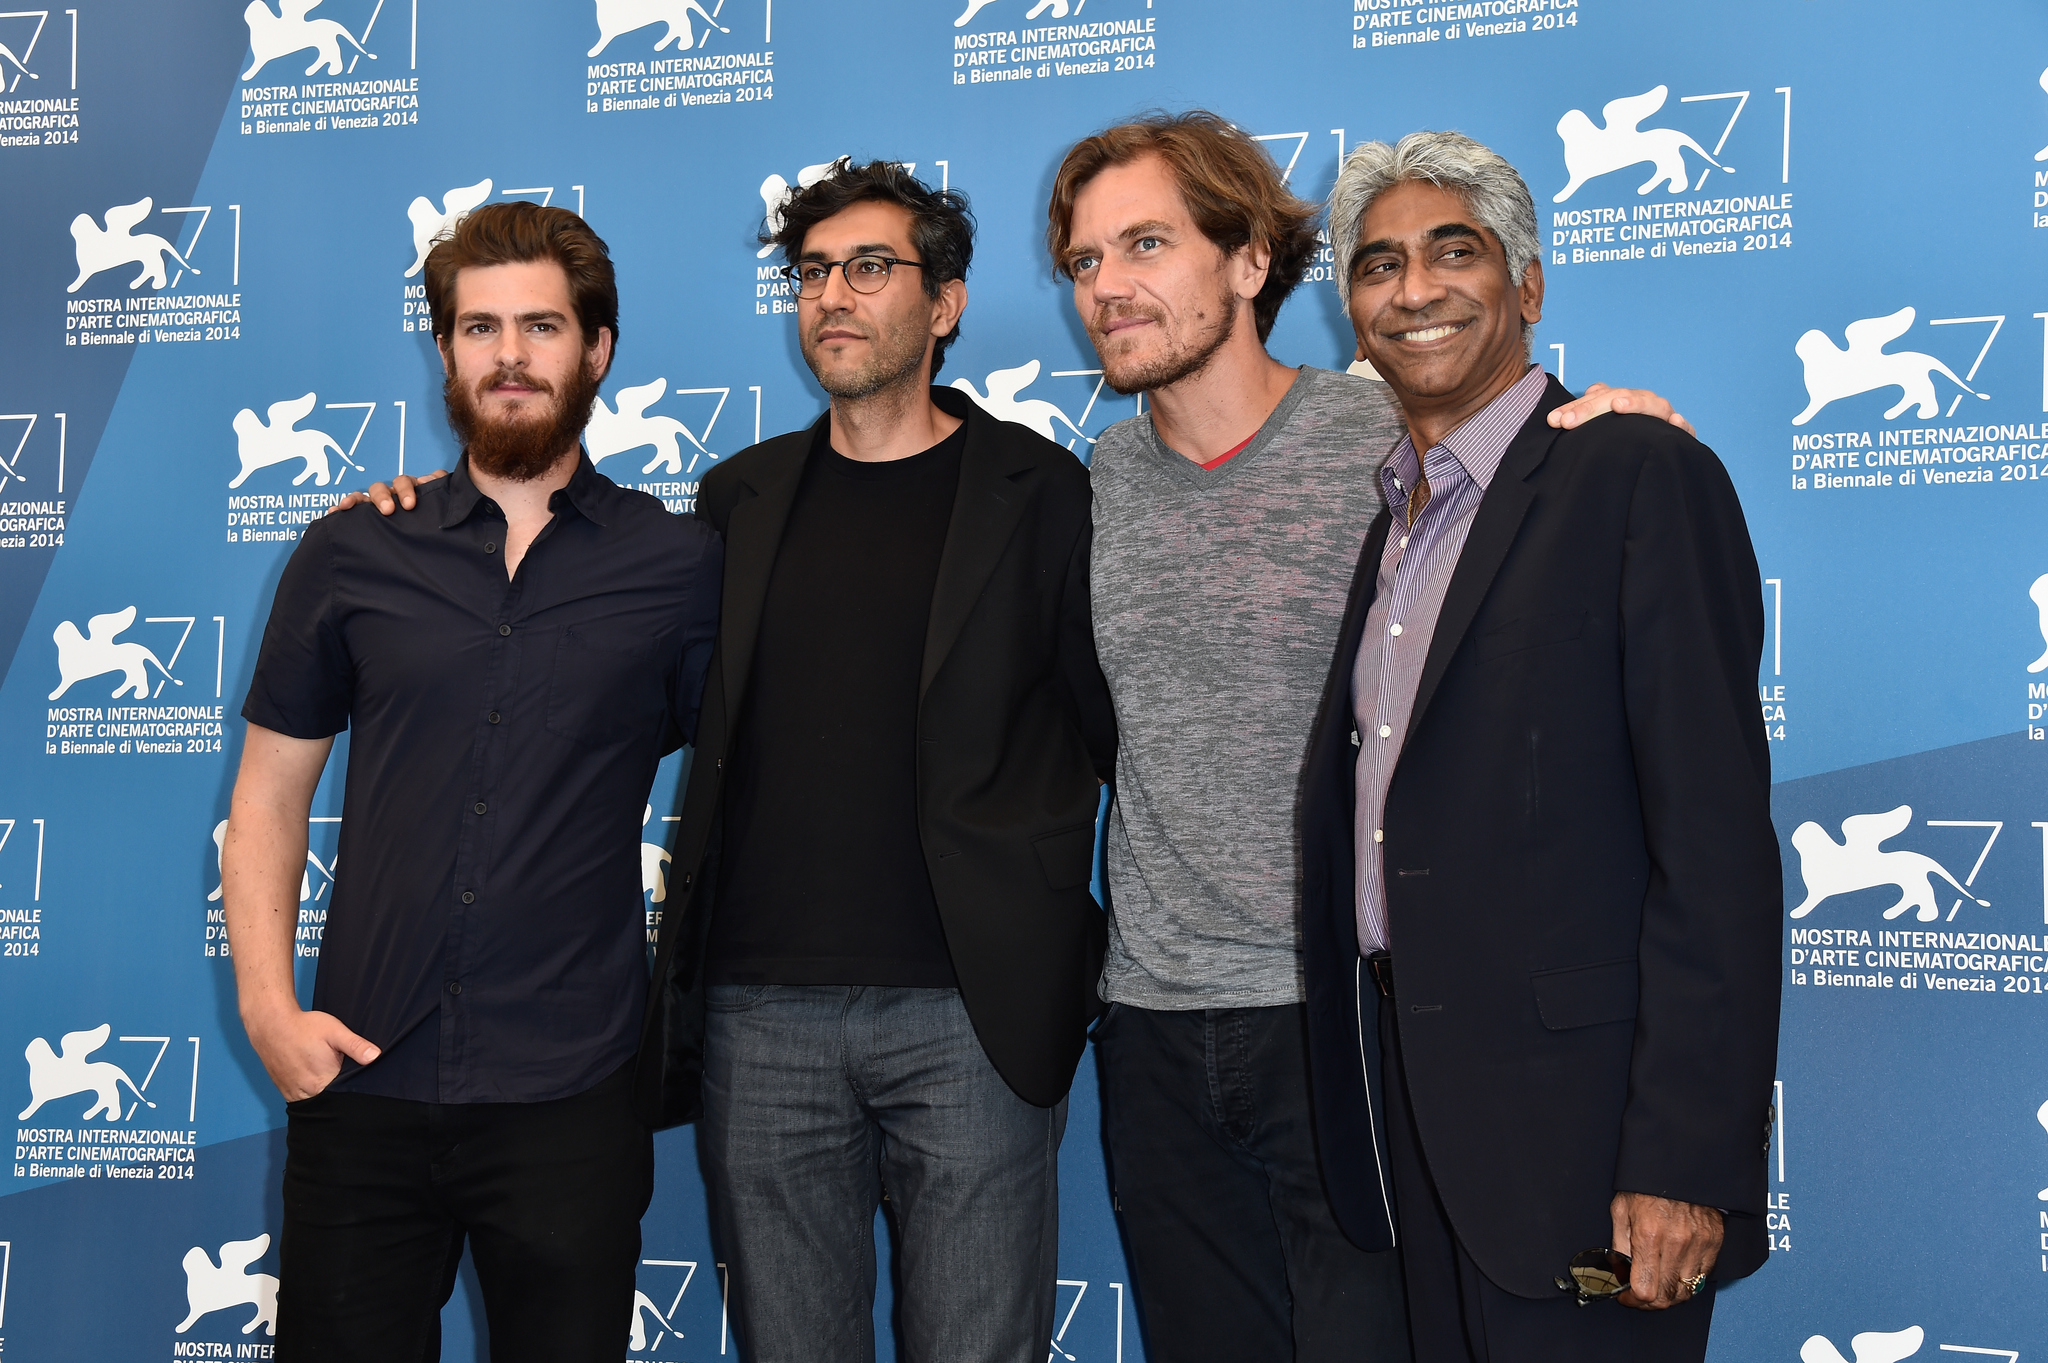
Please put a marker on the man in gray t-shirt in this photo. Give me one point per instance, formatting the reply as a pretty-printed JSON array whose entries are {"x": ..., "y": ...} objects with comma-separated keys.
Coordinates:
[
  {"x": 1218, "y": 594},
  {"x": 1228, "y": 520}
]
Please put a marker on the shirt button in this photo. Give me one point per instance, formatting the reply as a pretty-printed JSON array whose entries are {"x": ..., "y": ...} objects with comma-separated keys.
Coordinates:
[
  {"x": 490, "y": 546},
  {"x": 504, "y": 629},
  {"x": 1378, "y": 835},
  {"x": 1404, "y": 541},
  {"x": 494, "y": 716},
  {"x": 1386, "y": 731},
  {"x": 455, "y": 986},
  {"x": 718, "y": 765},
  {"x": 481, "y": 806},
  {"x": 469, "y": 896},
  {"x": 1394, "y": 629}
]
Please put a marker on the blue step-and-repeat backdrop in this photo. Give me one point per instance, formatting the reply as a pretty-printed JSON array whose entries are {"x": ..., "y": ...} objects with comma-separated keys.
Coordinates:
[{"x": 1818, "y": 225}]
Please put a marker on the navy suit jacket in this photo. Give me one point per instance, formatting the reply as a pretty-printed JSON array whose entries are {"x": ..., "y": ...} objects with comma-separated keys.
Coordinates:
[{"x": 1582, "y": 877}]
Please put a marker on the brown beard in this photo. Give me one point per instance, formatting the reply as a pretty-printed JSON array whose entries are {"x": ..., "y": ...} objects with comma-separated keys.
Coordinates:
[
  {"x": 520, "y": 451},
  {"x": 1168, "y": 369}
]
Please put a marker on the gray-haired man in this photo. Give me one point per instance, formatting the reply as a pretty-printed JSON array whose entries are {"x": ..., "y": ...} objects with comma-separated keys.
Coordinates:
[{"x": 1540, "y": 882}]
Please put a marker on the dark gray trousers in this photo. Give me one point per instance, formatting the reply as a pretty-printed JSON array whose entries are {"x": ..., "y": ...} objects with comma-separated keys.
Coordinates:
[{"x": 1235, "y": 1253}]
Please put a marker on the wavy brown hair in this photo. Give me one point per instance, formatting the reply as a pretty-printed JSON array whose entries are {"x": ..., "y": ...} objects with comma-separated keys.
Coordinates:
[
  {"x": 518, "y": 233},
  {"x": 1237, "y": 196}
]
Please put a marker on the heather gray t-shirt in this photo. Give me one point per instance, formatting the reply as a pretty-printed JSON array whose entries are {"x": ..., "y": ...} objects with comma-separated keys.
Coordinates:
[{"x": 1218, "y": 597}]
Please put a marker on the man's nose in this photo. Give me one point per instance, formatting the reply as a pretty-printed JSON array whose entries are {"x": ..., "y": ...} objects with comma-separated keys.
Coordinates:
[
  {"x": 511, "y": 350},
  {"x": 1110, "y": 281},
  {"x": 1418, "y": 287},
  {"x": 837, "y": 295}
]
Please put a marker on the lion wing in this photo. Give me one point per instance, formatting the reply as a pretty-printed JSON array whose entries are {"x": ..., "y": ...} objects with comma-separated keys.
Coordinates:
[
  {"x": 79, "y": 1045},
  {"x": 1629, "y": 110},
  {"x": 1871, "y": 334},
  {"x": 102, "y": 629},
  {"x": 1869, "y": 830},
  {"x": 289, "y": 413}
]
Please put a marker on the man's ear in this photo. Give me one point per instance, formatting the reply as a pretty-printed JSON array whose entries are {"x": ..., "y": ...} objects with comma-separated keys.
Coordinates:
[
  {"x": 1248, "y": 269},
  {"x": 1531, "y": 292},
  {"x": 948, "y": 306},
  {"x": 447, "y": 356},
  {"x": 598, "y": 354}
]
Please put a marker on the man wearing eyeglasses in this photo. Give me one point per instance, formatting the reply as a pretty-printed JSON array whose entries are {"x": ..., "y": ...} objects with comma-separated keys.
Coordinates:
[{"x": 883, "y": 967}]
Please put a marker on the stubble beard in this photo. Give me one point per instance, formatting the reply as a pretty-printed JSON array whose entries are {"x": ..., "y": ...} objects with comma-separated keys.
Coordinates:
[
  {"x": 1180, "y": 360},
  {"x": 520, "y": 450},
  {"x": 896, "y": 358}
]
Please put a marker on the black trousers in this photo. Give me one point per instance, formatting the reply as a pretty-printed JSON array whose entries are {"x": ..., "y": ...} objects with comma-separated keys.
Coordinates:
[
  {"x": 380, "y": 1193},
  {"x": 1234, "y": 1252},
  {"x": 1456, "y": 1313}
]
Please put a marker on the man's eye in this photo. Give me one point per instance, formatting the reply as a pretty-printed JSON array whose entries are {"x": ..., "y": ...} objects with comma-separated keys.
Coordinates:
[
  {"x": 1149, "y": 243},
  {"x": 869, "y": 265},
  {"x": 811, "y": 274},
  {"x": 1082, "y": 264}
]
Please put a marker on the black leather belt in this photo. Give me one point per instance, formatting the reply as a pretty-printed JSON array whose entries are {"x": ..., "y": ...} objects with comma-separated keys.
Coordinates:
[{"x": 1380, "y": 965}]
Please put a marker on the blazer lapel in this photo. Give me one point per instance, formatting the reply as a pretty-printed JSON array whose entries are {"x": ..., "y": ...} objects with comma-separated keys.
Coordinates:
[
  {"x": 753, "y": 533},
  {"x": 985, "y": 513},
  {"x": 1494, "y": 527}
]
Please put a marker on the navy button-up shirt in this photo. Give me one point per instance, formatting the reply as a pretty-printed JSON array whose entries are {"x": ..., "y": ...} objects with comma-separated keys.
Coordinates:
[{"x": 487, "y": 929}]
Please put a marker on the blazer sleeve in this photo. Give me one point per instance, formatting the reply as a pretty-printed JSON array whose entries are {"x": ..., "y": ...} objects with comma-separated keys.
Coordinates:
[
  {"x": 1706, "y": 1035},
  {"x": 1080, "y": 671}
]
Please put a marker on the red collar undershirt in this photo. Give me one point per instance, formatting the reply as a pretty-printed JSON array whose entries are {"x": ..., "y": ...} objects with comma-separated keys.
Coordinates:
[{"x": 1220, "y": 460}]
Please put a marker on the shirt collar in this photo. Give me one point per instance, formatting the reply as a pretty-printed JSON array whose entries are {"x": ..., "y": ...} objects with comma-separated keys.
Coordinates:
[
  {"x": 1480, "y": 442},
  {"x": 589, "y": 491}
]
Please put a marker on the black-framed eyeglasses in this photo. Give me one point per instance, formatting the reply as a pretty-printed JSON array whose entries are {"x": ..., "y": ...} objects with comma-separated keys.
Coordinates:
[
  {"x": 1596, "y": 1275},
  {"x": 864, "y": 274}
]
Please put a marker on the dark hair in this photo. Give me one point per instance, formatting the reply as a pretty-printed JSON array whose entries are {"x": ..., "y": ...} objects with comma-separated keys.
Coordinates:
[
  {"x": 517, "y": 233},
  {"x": 941, "y": 227},
  {"x": 1236, "y": 194}
]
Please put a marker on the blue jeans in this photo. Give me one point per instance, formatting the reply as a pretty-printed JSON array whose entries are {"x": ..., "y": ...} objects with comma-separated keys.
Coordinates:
[{"x": 816, "y": 1097}]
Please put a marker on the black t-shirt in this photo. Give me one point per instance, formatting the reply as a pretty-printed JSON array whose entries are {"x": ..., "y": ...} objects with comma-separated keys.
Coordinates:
[{"x": 823, "y": 877}]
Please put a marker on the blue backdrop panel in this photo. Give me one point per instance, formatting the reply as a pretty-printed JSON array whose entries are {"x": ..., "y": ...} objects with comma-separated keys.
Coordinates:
[{"x": 1818, "y": 225}]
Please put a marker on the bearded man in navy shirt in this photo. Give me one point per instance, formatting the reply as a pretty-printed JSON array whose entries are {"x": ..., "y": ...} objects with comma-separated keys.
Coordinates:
[{"x": 513, "y": 660}]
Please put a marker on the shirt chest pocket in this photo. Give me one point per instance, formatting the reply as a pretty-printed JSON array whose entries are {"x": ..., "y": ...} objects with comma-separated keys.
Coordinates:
[{"x": 604, "y": 688}]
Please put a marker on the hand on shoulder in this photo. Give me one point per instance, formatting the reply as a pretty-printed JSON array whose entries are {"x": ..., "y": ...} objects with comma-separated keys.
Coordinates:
[
  {"x": 1600, "y": 399},
  {"x": 388, "y": 497}
]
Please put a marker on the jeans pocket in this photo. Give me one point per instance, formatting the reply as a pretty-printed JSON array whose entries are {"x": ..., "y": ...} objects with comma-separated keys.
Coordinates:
[{"x": 733, "y": 998}]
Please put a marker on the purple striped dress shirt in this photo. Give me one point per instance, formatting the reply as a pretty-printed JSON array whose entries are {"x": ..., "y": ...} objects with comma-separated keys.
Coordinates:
[{"x": 1415, "y": 570}]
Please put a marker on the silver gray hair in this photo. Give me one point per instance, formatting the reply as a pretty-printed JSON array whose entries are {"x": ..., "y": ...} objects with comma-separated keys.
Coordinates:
[{"x": 1493, "y": 191}]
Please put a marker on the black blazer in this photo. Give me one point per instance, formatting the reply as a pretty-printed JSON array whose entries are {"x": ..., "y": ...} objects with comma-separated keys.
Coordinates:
[
  {"x": 1014, "y": 728},
  {"x": 1582, "y": 876}
]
